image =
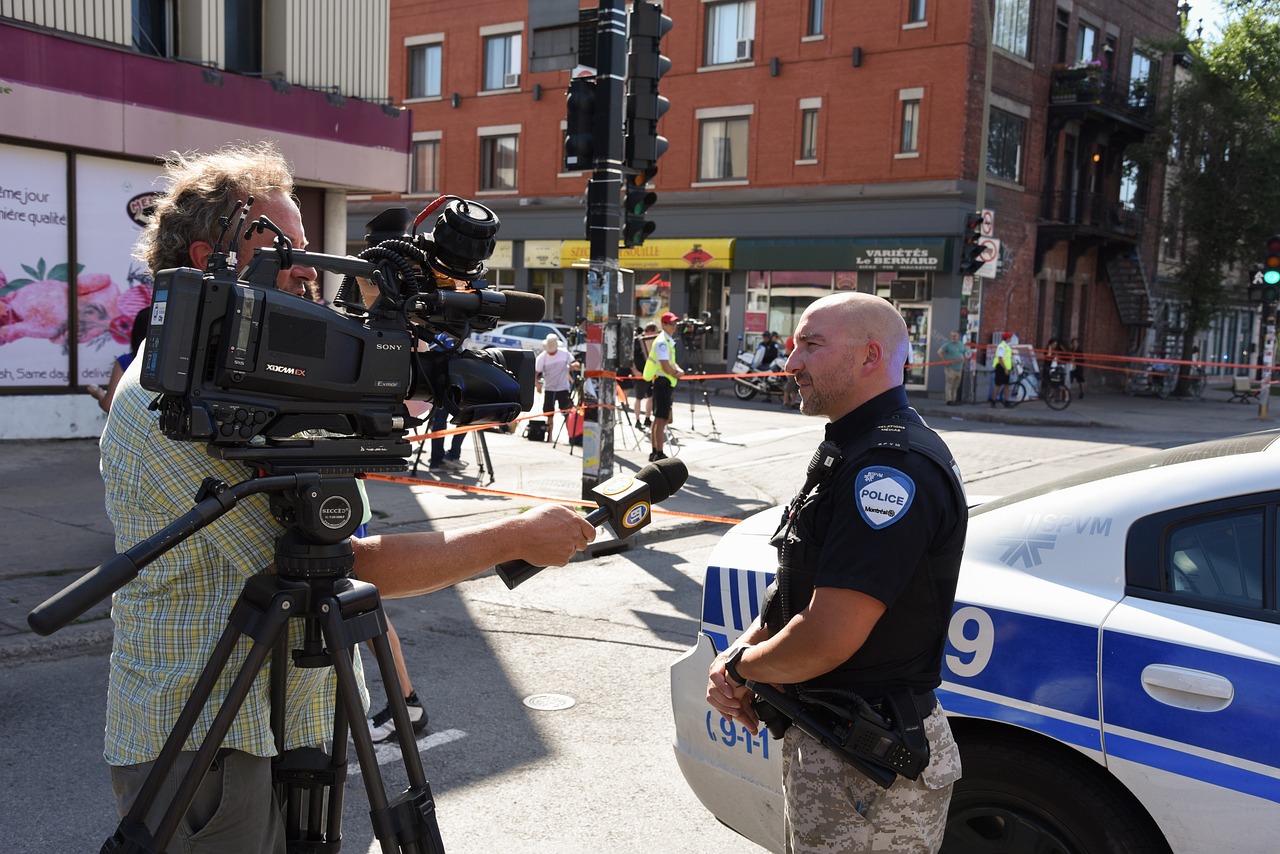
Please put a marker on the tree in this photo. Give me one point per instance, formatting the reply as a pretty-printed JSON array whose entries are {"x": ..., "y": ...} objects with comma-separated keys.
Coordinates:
[{"x": 1219, "y": 135}]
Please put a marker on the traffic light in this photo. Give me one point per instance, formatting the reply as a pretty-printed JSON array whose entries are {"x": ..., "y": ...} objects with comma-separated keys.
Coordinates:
[
  {"x": 1271, "y": 262},
  {"x": 579, "y": 138},
  {"x": 645, "y": 66},
  {"x": 971, "y": 245},
  {"x": 635, "y": 227}
]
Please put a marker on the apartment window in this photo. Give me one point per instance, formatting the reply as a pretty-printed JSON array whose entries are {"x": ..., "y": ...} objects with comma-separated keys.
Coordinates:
[
  {"x": 1004, "y": 145},
  {"x": 424, "y": 70},
  {"x": 731, "y": 32},
  {"x": 722, "y": 149},
  {"x": 498, "y": 162},
  {"x": 1133, "y": 185},
  {"x": 1011, "y": 24},
  {"x": 910, "y": 140},
  {"x": 1141, "y": 80},
  {"x": 809, "y": 134},
  {"x": 153, "y": 27},
  {"x": 1086, "y": 43},
  {"x": 424, "y": 165},
  {"x": 1061, "y": 29},
  {"x": 243, "y": 49},
  {"x": 816, "y": 9},
  {"x": 915, "y": 11},
  {"x": 502, "y": 61}
]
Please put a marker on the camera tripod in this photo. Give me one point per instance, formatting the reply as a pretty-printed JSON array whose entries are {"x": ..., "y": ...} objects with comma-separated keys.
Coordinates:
[
  {"x": 312, "y": 583},
  {"x": 691, "y": 345}
]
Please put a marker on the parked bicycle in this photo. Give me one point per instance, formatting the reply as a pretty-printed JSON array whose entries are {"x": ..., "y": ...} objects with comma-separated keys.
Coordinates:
[
  {"x": 1023, "y": 386},
  {"x": 1151, "y": 378}
]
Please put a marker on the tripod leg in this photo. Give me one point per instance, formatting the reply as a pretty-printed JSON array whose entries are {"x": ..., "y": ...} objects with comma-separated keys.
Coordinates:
[
  {"x": 264, "y": 625},
  {"x": 407, "y": 823}
]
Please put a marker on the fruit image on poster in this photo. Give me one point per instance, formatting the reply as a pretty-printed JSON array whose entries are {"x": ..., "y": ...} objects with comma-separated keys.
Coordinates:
[{"x": 34, "y": 275}]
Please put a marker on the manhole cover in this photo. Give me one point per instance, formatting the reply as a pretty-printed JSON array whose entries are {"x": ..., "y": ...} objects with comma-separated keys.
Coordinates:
[{"x": 548, "y": 702}]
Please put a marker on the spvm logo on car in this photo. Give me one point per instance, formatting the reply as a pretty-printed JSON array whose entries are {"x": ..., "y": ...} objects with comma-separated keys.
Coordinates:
[{"x": 635, "y": 515}]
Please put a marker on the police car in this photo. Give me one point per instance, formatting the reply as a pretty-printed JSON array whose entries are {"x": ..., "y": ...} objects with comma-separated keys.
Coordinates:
[
  {"x": 1111, "y": 672},
  {"x": 523, "y": 336}
]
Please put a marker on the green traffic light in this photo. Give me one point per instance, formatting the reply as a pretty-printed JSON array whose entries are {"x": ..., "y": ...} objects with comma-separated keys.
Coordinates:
[{"x": 1271, "y": 277}]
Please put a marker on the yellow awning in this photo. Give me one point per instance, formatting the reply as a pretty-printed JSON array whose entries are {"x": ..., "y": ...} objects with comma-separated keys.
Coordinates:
[{"x": 692, "y": 253}]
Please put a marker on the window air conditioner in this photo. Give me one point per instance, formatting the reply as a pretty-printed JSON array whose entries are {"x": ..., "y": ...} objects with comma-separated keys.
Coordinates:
[
  {"x": 510, "y": 81},
  {"x": 744, "y": 49}
]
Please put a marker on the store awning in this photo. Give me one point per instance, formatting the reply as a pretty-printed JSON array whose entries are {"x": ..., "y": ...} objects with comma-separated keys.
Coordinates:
[
  {"x": 918, "y": 254},
  {"x": 714, "y": 253}
]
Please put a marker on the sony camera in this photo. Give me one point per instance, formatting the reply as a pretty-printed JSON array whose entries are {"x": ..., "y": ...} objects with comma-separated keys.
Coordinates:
[{"x": 261, "y": 374}]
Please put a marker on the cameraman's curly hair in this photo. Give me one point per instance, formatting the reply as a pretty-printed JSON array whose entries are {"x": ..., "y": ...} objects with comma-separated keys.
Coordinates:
[{"x": 203, "y": 188}]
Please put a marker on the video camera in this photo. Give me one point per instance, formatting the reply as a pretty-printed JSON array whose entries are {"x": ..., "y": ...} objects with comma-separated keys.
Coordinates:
[
  {"x": 690, "y": 329},
  {"x": 264, "y": 375}
]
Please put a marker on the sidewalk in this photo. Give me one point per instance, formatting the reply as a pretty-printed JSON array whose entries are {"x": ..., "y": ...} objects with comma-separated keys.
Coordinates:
[{"x": 58, "y": 529}]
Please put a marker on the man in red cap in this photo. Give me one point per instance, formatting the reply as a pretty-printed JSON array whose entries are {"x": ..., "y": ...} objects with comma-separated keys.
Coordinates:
[
  {"x": 663, "y": 373},
  {"x": 1004, "y": 366}
]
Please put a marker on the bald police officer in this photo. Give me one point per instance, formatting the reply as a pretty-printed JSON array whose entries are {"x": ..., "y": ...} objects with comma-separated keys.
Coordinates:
[{"x": 869, "y": 556}]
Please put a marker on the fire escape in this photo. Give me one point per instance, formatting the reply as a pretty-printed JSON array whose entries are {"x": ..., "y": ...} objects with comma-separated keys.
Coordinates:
[{"x": 1093, "y": 117}]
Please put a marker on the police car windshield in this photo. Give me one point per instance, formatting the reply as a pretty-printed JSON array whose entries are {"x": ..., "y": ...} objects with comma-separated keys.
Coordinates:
[{"x": 1251, "y": 443}]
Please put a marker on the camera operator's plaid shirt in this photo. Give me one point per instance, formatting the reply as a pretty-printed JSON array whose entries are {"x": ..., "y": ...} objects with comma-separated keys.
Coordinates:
[{"x": 169, "y": 618}]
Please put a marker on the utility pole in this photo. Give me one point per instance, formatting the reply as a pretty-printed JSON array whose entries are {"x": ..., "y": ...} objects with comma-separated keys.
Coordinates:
[{"x": 604, "y": 280}]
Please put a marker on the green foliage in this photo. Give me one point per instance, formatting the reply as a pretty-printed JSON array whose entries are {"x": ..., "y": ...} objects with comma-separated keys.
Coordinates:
[{"x": 1219, "y": 134}]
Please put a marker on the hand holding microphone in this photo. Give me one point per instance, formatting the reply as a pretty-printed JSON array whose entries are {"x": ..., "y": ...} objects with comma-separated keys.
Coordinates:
[{"x": 624, "y": 502}]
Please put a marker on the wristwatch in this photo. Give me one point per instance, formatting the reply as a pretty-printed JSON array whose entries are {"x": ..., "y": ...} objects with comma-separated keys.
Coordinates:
[{"x": 731, "y": 666}]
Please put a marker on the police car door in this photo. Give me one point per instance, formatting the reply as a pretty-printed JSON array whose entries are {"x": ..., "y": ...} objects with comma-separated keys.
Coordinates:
[{"x": 1190, "y": 674}]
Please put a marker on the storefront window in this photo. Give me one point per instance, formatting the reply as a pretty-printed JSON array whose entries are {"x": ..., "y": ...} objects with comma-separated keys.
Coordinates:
[
  {"x": 707, "y": 293},
  {"x": 549, "y": 284}
]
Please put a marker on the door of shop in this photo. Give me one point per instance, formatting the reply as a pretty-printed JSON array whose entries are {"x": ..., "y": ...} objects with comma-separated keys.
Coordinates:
[{"x": 918, "y": 319}]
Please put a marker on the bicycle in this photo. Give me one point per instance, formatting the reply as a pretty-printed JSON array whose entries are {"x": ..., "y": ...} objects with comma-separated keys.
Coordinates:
[{"x": 1056, "y": 393}]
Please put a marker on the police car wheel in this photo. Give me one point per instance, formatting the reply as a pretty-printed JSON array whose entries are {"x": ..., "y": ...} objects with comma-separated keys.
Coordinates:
[{"x": 1016, "y": 798}]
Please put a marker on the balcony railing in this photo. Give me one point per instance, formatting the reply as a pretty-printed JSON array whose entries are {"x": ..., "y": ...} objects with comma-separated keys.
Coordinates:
[
  {"x": 1092, "y": 210},
  {"x": 1093, "y": 85}
]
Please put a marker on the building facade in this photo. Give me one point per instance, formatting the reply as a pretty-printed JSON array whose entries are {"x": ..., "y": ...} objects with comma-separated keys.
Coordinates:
[
  {"x": 815, "y": 147},
  {"x": 92, "y": 92}
]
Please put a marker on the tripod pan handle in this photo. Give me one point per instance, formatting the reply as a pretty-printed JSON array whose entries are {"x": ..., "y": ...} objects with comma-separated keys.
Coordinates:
[{"x": 81, "y": 595}]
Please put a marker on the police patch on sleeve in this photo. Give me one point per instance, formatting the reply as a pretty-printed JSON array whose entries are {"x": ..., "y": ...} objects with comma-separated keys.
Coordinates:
[{"x": 884, "y": 495}]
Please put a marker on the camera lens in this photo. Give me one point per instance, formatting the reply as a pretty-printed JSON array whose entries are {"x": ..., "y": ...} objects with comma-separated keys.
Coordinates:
[{"x": 464, "y": 235}]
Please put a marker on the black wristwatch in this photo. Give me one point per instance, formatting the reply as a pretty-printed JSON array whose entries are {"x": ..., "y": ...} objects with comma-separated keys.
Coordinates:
[{"x": 731, "y": 666}]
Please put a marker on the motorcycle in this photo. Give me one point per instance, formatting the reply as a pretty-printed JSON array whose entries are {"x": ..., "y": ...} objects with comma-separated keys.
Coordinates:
[{"x": 747, "y": 387}]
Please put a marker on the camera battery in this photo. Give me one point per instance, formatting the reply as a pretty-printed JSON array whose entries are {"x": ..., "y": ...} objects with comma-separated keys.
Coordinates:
[{"x": 172, "y": 336}]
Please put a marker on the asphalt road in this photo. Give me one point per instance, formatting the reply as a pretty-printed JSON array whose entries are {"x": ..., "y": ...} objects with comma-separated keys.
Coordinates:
[{"x": 598, "y": 775}]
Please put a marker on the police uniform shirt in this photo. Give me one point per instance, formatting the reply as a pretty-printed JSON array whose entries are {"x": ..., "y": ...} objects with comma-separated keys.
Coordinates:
[{"x": 891, "y": 526}]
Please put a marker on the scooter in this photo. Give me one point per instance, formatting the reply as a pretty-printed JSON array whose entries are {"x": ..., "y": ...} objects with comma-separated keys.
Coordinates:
[{"x": 745, "y": 387}]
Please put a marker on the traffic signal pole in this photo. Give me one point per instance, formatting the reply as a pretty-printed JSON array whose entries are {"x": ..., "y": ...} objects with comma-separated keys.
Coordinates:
[{"x": 604, "y": 280}]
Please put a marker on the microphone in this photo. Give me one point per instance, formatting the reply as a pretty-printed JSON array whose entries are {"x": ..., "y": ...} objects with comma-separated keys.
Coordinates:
[
  {"x": 824, "y": 461},
  {"x": 624, "y": 503}
]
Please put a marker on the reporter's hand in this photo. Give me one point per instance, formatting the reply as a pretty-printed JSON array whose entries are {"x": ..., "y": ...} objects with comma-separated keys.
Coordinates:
[{"x": 550, "y": 535}]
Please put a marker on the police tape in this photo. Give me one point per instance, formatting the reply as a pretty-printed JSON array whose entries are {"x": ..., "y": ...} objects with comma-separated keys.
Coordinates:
[{"x": 545, "y": 499}]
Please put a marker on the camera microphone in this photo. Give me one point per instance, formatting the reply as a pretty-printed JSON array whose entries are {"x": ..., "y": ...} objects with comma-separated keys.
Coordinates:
[
  {"x": 508, "y": 306},
  {"x": 625, "y": 503}
]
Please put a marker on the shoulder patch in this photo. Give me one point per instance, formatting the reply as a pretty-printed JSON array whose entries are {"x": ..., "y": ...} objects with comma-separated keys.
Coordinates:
[
  {"x": 893, "y": 435},
  {"x": 884, "y": 495}
]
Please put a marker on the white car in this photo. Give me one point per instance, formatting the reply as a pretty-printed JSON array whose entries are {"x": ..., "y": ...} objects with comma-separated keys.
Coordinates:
[
  {"x": 523, "y": 336},
  {"x": 1111, "y": 673}
]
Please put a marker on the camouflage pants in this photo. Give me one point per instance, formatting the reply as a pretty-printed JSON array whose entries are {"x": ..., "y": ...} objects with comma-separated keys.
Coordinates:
[{"x": 831, "y": 807}]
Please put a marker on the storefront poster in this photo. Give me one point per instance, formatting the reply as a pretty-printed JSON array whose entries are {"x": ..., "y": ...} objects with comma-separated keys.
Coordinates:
[
  {"x": 33, "y": 268},
  {"x": 653, "y": 298},
  {"x": 113, "y": 199}
]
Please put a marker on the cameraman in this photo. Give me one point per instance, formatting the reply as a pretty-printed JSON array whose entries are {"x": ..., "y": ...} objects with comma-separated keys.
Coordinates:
[
  {"x": 168, "y": 619},
  {"x": 661, "y": 370}
]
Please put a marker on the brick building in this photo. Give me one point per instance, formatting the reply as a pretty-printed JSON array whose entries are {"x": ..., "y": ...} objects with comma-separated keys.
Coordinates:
[
  {"x": 92, "y": 92},
  {"x": 818, "y": 146}
]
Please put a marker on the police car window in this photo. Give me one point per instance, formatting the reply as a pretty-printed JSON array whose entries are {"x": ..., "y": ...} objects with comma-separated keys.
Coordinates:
[
  {"x": 1250, "y": 444},
  {"x": 1217, "y": 559},
  {"x": 522, "y": 330}
]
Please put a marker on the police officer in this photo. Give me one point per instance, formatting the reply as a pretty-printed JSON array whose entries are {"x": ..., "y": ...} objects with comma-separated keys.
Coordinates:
[{"x": 869, "y": 556}]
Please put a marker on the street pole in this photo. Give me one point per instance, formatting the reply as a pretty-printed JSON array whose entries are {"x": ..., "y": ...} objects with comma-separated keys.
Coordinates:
[
  {"x": 1268, "y": 358},
  {"x": 604, "y": 229},
  {"x": 986, "y": 110}
]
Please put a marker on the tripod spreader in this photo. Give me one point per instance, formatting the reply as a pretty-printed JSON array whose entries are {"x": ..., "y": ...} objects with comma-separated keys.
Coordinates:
[{"x": 213, "y": 499}]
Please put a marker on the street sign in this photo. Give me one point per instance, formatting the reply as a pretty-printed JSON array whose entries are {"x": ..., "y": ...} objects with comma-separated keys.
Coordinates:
[
  {"x": 990, "y": 257},
  {"x": 988, "y": 228}
]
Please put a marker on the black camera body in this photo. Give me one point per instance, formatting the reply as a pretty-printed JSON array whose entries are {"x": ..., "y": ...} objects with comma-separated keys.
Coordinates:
[{"x": 260, "y": 374}]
